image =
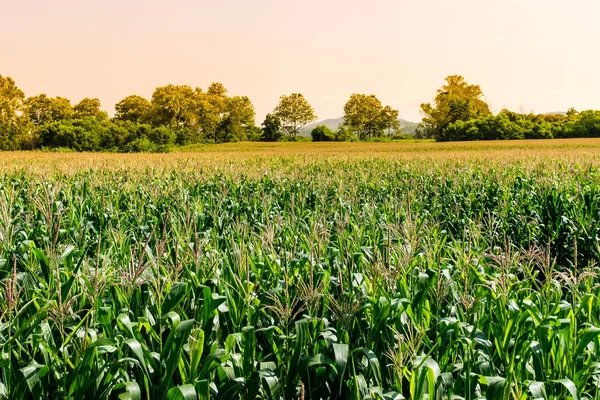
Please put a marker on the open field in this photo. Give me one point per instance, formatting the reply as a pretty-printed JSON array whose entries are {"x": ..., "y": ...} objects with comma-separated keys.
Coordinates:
[
  {"x": 303, "y": 270},
  {"x": 224, "y": 155}
]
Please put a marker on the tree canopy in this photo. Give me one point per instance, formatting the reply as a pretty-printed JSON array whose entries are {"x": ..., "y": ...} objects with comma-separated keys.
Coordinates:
[
  {"x": 90, "y": 108},
  {"x": 456, "y": 101},
  {"x": 367, "y": 118},
  {"x": 179, "y": 115},
  {"x": 271, "y": 130},
  {"x": 42, "y": 109},
  {"x": 132, "y": 108},
  {"x": 12, "y": 122},
  {"x": 294, "y": 112}
]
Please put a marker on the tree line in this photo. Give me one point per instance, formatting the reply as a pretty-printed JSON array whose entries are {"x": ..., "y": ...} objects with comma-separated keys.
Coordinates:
[
  {"x": 179, "y": 115},
  {"x": 459, "y": 112}
]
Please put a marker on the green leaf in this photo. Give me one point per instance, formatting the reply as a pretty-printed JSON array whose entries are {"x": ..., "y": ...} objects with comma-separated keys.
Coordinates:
[
  {"x": 132, "y": 391},
  {"x": 588, "y": 335},
  {"x": 172, "y": 352},
  {"x": 203, "y": 390},
  {"x": 32, "y": 378},
  {"x": 374, "y": 363},
  {"x": 495, "y": 386},
  {"x": 136, "y": 349},
  {"x": 249, "y": 348},
  {"x": 340, "y": 352},
  {"x": 569, "y": 385},
  {"x": 230, "y": 389},
  {"x": 178, "y": 292},
  {"x": 44, "y": 263},
  {"x": 183, "y": 392},
  {"x": 538, "y": 363}
]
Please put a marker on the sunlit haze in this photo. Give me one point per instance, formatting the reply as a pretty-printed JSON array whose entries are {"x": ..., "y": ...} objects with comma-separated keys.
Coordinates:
[{"x": 525, "y": 54}]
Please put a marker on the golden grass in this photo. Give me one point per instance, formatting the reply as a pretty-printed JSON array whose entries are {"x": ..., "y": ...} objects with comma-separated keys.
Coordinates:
[{"x": 246, "y": 157}]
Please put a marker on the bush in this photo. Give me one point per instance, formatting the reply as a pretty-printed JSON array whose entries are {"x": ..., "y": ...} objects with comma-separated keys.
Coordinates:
[
  {"x": 78, "y": 134},
  {"x": 142, "y": 145},
  {"x": 161, "y": 136},
  {"x": 322, "y": 133}
]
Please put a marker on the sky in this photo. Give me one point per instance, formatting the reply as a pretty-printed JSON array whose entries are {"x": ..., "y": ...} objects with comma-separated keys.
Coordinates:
[{"x": 527, "y": 55}]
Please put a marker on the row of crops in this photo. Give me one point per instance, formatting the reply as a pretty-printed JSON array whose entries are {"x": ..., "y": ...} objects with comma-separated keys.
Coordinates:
[{"x": 360, "y": 279}]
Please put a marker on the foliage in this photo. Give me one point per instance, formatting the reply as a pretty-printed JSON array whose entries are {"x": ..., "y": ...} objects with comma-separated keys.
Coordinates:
[
  {"x": 161, "y": 135},
  {"x": 253, "y": 133},
  {"x": 173, "y": 106},
  {"x": 321, "y": 133},
  {"x": 41, "y": 109},
  {"x": 510, "y": 125},
  {"x": 271, "y": 128},
  {"x": 584, "y": 124},
  {"x": 12, "y": 122},
  {"x": 237, "y": 119},
  {"x": 366, "y": 117},
  {"x": 132, "y": 108},
  {"x": 294, "y": 112},
  {"x": 89, "y": 108},
  {"x": 347, "y": 278},
  {"x": 179, "y": 115},
  {"x": 78, "y": 134},
  {"x": 456, "y": 101}
]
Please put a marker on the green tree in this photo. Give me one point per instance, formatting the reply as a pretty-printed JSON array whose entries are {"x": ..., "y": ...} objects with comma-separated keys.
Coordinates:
[
  {"x": 42, "y": 109},
  {"x": 322, "y": 133},
  {"x": 90, "y": 108},
  {"x": 254, "y": 133},
  {"x": 161, "y": 136},
  {"x": 390, "y": 121},
  {"x": 132, "y": 108},
  {"x": 455, "y": 101},
  {"x": 173, "y": 106},
  {"x": 294, "y": 112},
  {"x": 212, "y": 106},
  {"x": 12, "y": 120},
  {"x": 366, "y": 117},
  {"x": 217, "y": 90},
  {"x": 271, "y": 129},
  {"x": 84, "y": 134},
  {"x": 584, "y": 124},
  {"x": 239, "y": 115}
]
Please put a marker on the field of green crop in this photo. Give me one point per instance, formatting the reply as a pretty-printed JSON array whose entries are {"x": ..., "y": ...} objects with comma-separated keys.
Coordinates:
[{"x": 332, "y": 273}]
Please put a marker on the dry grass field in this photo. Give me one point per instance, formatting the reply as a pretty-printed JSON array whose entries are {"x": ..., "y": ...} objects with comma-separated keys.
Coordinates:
[{"x": 254, "y": 157}]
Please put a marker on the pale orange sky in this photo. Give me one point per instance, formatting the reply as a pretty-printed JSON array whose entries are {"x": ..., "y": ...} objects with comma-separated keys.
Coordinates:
[{"x": 540, "y": 55}]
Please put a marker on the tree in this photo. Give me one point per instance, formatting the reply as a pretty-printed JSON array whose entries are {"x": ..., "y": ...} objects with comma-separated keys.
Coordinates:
[
  {"x": 161, "y": 136},
  {"x": 132, "y": 108},
  {"x": 239, "y": 115},
  {"x": 271, "y": 130},
  {"x": 390, "y": 121},
  {"x": 455, "y": 101},
  {"x": 217, "y": 90},
  {"x": 12, "y": 120},
  {"x": 254, "y": 133},
  {"x": 294, "y": 112},
  {"x": 367, "y": 118},
  {"x": 42, "y": 109},
  {"x": 322, "y": 133},
  {"x": 89, "y": 108},
  {"x": 84, "y": 134},
  {"x": 173, "y": 106},
  {"x": 584, "y": 124},
  {"x": 212, "y": 107}
]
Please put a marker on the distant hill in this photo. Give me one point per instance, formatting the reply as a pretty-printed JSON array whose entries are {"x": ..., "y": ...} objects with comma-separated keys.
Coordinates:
[{"x": 407, "y": 127}]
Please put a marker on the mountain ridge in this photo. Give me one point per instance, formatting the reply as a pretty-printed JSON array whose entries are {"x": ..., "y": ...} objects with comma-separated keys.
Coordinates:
[{"x": 407, "y": 127}]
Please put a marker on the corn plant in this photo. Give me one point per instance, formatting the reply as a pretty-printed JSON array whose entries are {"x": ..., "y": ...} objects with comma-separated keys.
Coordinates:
[{"x": 358, "y": 278}]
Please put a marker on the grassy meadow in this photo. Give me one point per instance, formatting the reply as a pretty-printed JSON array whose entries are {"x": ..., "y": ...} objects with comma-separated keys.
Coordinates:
[{"x": 405, "y": 270}]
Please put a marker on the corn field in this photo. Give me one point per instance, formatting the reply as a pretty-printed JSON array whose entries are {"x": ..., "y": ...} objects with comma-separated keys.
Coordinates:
[{"x": 359, "y": 278}]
